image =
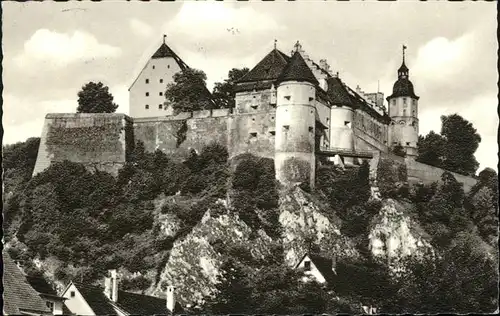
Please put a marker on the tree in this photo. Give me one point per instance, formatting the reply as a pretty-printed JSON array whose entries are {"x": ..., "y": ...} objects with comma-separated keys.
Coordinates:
[
  {"x": 431, "y": 149},
  {"x": 189, "y": 92},
  {"x": 454, "y": 148},
  {"x": 95, "y": 98},
  {"x": 223, "y": 92},
  {"x": 462, "y": 141}
]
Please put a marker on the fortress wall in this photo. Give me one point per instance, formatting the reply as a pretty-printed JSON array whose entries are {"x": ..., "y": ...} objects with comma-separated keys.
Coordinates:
[
  {"x": 95, "y": 140},
  {"x": 364, "y": 141},
  {"x": 252, "y": 133},
  {"x": 254, "y": 102},
  {"x": 371, "y": 127},
  {"x": 422, "y": 173},
  {"x": 178, "y": 134}
]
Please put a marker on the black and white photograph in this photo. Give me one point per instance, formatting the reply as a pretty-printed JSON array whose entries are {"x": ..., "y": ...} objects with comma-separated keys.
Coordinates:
[{"x": 250, "y": 157}]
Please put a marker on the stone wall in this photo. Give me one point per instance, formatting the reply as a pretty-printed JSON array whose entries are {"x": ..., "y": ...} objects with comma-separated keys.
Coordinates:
[
  {"x": 177, "y": 135},
  {"x": 95, "y": 140},
  {"x": 425, "y": 174}
]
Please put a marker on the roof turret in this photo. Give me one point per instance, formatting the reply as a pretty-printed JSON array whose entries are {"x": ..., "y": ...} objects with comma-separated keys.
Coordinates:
[{"x": 403, "y": 86}]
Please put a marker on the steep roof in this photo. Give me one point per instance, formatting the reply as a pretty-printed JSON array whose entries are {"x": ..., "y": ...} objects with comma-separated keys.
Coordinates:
[
  {"x": 18, "y": 295},
  {"x": 164, "y": 51},
  {"x": 269, "y": 68},
  {"x": 130, "y": 303},
  {"x": 325, "y": 267},
  {"x": 337, "y": 92},
  {"x": 297, "y": 70},
  {"x": 94, "y": 296},
  {"x": 138, "y": 304},
  {"x": 41, "y": 285}
]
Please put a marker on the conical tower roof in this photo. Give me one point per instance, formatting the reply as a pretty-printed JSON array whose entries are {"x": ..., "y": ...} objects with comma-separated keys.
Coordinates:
[{"x": 297, "y": 70}]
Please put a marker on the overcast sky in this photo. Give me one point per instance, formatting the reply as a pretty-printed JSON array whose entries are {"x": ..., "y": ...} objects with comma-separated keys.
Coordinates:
[{"x": 52, "y": 49}]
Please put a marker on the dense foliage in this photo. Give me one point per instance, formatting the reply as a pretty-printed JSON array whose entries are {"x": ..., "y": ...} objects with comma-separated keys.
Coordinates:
[
  {"x": 223, "y": 92},
  {"x": 254, "y": 189},
  {"x": 95, "y": 221},
  {"x": 188, "y": 92},
  {"x": 454, "y": 148},
  {"x": 95, "y": 98}
]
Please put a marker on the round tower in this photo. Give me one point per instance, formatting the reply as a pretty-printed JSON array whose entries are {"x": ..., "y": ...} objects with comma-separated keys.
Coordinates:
[
  {"x": 403, "y": 111},
  {"x": 295, "y": 123}
]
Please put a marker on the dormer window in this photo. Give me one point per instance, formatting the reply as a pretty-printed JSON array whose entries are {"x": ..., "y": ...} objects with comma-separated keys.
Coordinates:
[
  {"x": 253, "y": 135},
  {"x": 254, "y": 107},
  {"x": 287, "y": 97},
  {"x": 311, "y": 99},
  {"x": 286, "y": 128},
  {"x": 272, "y": 133}
]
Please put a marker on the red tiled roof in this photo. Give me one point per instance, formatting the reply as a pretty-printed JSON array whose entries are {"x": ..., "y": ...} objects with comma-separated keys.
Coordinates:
[
  {"x": 297, "y": 70},
  {"x": 18, "y": 295}
]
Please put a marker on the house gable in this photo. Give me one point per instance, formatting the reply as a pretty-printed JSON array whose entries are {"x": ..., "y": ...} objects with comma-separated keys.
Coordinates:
[{"x": 75, "y": 301}]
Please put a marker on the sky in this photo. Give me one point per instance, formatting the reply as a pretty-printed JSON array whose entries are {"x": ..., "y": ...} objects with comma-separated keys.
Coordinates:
[{"x": 52, "y": 49}]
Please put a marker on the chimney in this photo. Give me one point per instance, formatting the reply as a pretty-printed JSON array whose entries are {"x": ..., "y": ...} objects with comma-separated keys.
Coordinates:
[
  {"x": 111, "y": 285},
  {"x": 171, "y": 299}
]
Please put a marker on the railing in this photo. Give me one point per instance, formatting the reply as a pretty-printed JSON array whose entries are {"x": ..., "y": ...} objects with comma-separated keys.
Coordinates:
[{"x": 331, "y": 151}]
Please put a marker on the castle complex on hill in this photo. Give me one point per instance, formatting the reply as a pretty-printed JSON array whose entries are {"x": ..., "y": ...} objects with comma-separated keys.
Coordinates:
[{"x": 288, "y": 108}]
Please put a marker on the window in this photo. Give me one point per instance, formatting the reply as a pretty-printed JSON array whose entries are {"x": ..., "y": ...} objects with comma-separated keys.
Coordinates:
[
  {"x": 311, "y": 129},
  {"x": 146, "y": 106},
  {"x": 168, "y": 66},
  {"x": 307, "y": 265},
  {"x": 50, "y": 305},
  {"x": 147, "y": 80},
  {"x": 72, "y": 293},
  {"x": 272, "y": 133},
  {"x": 153, "y": 66},
  {"x": 404, "y": 101},
  {"x": 253, "y": 135},
  {"x": 254, "y": 107},
  {"x": 253, "y": 119},
  {"x": 407, "y": 144},
  {"x": 161, "y": 93},
  {"x": 393, "y": 102},
  {"x": 160, "y": 106},
  {"x": 147, "y": 94},
  {"x": 287, "y": 97},
  {"x": 161, "y": 80},
  {"x": 311, "y": 99}
]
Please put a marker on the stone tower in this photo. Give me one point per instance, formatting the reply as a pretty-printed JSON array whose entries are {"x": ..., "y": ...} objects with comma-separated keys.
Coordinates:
[
  {"x": 295, "y": 123},
  {"x": 403, "y": 111},
  {"x": 146, "y": 94}
]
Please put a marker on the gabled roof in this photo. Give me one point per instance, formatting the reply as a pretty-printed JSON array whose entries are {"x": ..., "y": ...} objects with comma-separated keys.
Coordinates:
[
  {"x": 39, "y": 284},
  {"x": 269, "y": 68},
  {"x": 324, "y": 266},
  {"x": 94, "y": 296},
  {"x": 129, "y": 303},
  {"x": 138, "y": 304},
  {"x": 18, "y": 295},
  {"x": 337, "y": 92},
  {"x": 297, "y": 70},
  {"x": 164, "y": 52}
]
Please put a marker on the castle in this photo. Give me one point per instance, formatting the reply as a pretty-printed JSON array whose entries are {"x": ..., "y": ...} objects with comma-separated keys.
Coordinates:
[{"x": 288, "y": 108}]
